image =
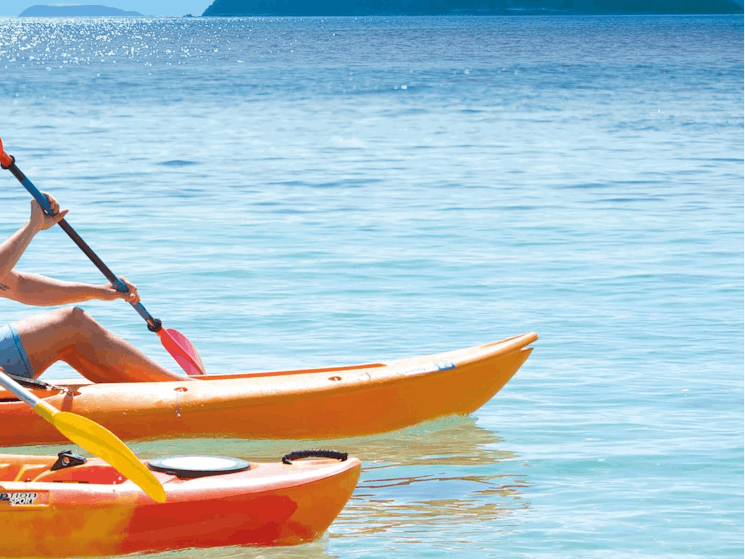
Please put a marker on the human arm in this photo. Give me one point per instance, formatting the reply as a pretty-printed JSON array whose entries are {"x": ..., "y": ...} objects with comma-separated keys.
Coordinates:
[
  {"x": 34, "y": 289},
  {"x": 42, "y": 291}
]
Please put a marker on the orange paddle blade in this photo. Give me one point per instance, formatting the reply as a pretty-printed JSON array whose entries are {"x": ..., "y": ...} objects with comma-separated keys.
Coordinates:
[{"x": 182, "y": 350}]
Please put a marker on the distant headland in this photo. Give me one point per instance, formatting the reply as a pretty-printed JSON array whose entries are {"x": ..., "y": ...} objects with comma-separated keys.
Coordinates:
[
  {"x": 467, "y": 7},
  {"x": 74, "y": 11}
]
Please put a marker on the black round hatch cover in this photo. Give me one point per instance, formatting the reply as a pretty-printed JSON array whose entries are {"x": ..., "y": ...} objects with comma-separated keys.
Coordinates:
[{"x": 196, "y": 465}]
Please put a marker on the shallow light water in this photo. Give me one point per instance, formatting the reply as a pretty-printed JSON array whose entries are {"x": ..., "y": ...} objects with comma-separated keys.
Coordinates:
[{"x": 305, "y": 191}]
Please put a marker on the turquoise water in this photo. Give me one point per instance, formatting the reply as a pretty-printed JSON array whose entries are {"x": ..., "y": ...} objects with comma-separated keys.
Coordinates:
[{"x": 306, "y": 192}]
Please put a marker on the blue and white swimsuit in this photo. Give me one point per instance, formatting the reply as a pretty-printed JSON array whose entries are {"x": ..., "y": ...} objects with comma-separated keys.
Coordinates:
[{"x": 13, "y": 358}]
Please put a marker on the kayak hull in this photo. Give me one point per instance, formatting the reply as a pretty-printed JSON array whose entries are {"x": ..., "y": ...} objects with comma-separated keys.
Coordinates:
[
  {"x": 89, "y": 510},
  {"x": 309, "y": 404}
]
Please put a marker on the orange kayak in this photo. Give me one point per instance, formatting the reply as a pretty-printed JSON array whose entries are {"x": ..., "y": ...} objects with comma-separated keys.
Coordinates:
[
  {"x": 89, "y": 510},
  {"x": 304, "y": 404}
]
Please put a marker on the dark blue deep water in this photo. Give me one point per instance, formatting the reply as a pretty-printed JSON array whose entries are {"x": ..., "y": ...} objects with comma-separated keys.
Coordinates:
[{"x": 307, "y": 191}]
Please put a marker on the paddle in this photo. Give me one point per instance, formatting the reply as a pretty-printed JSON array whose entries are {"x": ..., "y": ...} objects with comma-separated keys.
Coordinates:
[
  {"x": 93, "y": 437},
  {"x": 175, "y": 343}
]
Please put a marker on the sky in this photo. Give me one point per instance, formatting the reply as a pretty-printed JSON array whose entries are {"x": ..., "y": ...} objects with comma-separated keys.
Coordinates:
[{"x": 145, "y": 7}]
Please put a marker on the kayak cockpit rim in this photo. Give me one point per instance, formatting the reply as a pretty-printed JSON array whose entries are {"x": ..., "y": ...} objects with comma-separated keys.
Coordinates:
[{"x": 470, "y": 354}]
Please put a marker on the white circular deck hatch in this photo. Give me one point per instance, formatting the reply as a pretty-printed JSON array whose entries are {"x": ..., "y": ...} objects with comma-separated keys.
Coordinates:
[{"x": 195, "y": 465}]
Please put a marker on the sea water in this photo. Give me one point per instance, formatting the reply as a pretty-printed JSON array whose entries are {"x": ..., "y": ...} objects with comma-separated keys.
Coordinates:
[{"x": 326, "y": 191}]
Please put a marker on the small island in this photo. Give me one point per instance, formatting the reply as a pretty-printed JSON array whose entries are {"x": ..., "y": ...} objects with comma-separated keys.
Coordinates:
[
  {"x": 237, "y": 8},
  {"x": 74, "y": 11}
]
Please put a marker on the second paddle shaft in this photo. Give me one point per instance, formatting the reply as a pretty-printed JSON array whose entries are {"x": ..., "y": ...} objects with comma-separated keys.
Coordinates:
[{"x": 153, "y": 324}]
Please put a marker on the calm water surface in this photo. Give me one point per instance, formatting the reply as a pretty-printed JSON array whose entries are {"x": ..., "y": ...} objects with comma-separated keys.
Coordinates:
[{"x": 304, "y": 192}]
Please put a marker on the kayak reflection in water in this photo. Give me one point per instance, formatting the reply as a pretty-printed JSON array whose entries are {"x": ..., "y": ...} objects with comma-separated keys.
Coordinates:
[{"x": 31, "y": 345}]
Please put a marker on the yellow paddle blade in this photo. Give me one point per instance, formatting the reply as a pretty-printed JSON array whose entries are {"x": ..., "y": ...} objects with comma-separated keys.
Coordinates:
[{"x": 101, "y": 442}]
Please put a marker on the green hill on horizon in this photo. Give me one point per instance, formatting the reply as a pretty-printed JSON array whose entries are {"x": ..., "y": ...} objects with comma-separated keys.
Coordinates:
[
  {"x": 74, "y": 11},
  {"x": 468, "y": 7}
]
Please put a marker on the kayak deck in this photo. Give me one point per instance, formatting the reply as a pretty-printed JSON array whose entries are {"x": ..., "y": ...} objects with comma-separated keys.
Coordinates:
[{"x": 298, "y": 404}]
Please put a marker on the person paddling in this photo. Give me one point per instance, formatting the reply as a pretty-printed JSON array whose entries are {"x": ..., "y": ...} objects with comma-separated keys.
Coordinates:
[{"x": 31, "y": 345}]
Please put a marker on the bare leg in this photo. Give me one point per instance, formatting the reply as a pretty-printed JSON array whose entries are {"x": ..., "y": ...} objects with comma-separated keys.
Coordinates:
[{"x": 73, "y": 336}]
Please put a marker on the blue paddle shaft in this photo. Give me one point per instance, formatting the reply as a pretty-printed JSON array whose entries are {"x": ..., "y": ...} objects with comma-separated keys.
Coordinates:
[{"x": 118, "y": 284}]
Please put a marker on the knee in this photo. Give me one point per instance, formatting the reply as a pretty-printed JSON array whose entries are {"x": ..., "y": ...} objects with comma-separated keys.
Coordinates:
[{"x": 77, "y": 318}]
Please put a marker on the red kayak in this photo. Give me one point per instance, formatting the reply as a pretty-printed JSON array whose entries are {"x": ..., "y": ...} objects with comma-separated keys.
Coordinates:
[{"x": 67, "y": 506}]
